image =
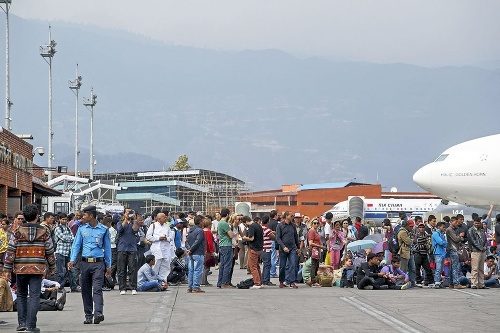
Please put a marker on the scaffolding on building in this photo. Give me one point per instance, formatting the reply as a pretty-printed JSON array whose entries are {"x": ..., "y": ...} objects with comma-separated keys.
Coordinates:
[{"x": 199, "y": 190}]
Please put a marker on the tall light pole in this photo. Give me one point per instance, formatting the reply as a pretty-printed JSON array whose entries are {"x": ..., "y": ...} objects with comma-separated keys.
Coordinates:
[
  {"x": 91, "y": 102},
  {"x": 8, "y": 102},
  {"x": 75, "y": 87},
  {"x": 47, "y": 52}
]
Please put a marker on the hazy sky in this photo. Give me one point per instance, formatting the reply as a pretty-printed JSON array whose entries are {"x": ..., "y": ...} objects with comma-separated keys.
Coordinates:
[{"x": 429, "y": 33}]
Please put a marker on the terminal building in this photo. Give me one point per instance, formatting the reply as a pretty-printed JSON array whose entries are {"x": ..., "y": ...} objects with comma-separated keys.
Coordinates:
[{"x": 179, "y": 191}]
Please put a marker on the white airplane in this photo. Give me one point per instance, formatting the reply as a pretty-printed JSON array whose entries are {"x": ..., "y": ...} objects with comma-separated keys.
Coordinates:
[
  {"x": 467, "y": 173},
  {"x": 379, "y": 209}
]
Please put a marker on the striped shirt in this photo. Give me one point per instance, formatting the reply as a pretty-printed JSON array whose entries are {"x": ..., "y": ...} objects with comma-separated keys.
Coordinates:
[{"x": 267, "y": 240}]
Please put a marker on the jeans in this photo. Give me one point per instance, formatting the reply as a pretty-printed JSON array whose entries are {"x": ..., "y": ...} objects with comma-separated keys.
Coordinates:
[
  {"x": 62, "y": 271},
  {"x": 439, "y": 260},
  {"x": 266, "y": 266},
  {"x": 225, "y": 260},
  {"x": 288, "y": 269},
  {"x": 149, "y": 285},
  {"x": 127, "y": 260},
  {"x": 274, "y": 258},
  {"x": 464, "y": 281},
  {"x": 412, "y": 271},
  {"x": 195, "y": 266},
  {"x": 27, "y": 307},
  {"x": 455, "y": 264},
  {"x": 491, "y": 282}
]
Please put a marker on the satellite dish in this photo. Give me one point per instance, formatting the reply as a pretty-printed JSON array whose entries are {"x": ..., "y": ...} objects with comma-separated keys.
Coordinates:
[{"x": 394, "y": 189}]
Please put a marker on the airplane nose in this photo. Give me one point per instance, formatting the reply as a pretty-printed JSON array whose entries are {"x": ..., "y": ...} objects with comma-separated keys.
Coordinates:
[{"x": 423, "y": 177}]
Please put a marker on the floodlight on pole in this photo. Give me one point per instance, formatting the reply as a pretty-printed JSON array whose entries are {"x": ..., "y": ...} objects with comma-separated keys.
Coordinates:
[
  {"x": 75, "y": 87},
  {"x": 91, "y": 102},
  {"x": 47, "y": 52},
  {"x": 8, "y": 102}
]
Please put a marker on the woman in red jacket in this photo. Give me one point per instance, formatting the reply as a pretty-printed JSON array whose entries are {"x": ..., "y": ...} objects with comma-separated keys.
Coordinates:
[{"x": 210, "y": 250}]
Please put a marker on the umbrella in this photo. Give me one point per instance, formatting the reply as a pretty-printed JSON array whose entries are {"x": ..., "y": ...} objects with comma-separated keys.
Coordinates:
[
  {"x": 361, "y": 245},
  {"x": 378, "y": 248},
  {"x": 375, "y": 237}
]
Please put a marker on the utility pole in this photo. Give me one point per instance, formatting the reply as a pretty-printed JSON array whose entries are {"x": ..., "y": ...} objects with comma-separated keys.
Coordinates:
[
  {"x": 47, "y": 52},
  {"x": 91, "y": 102},
  {"x": 8, "y": 102},
  {"x": 75, "y": 87}
]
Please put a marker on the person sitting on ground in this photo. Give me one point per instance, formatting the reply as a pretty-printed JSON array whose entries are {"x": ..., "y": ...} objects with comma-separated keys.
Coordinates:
[
  {"x": 147, "y": 279},
  {"x": 369, "y": 274},
  {"x": 490, "y": 276},
  {"x": 397, "y": 278},
  {"x": 178, "y": 270},
  {"x": 347, "y": 280},
  {"x": 371, "y": 277},
  {"x": 462, "y": 273}
]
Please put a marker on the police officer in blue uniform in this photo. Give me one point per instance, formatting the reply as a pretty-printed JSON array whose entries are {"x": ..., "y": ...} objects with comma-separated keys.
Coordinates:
[{"x": 93, "y": 241}]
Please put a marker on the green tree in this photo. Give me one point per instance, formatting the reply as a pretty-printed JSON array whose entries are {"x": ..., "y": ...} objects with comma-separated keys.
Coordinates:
[{"x": 181, "y": 164}]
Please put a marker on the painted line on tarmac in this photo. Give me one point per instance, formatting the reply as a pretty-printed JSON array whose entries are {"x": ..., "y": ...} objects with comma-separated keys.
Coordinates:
[
  {"x": 379, "y": 315},
  {"x": 467, "y": 292}
]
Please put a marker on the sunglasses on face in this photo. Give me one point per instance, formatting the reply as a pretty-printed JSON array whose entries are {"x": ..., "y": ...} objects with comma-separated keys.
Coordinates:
[{"x": 315, "y": 223}]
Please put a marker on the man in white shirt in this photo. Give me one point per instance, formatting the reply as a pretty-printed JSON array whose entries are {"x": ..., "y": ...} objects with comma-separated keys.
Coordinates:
[
  {"x": 490, "y": 278},
  {"x": 160, "y": 235}
]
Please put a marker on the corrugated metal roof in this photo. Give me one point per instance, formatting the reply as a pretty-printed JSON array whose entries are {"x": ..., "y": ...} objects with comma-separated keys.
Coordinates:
[
  {"x": 163, "y": 183},
  {"x": 147, "y": 196},
  {"x": 306, "y": 187}
]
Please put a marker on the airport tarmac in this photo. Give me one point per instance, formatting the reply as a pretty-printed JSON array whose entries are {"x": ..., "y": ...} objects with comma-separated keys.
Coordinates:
[{"x": 277, "y": 310}]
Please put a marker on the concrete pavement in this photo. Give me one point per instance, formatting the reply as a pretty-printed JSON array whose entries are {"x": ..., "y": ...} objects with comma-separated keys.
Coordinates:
[{"x": 275, "y": 310}]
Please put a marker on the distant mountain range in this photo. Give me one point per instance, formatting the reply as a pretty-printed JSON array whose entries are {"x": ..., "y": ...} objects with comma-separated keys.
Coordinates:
[{"x": 266, "y": 117}]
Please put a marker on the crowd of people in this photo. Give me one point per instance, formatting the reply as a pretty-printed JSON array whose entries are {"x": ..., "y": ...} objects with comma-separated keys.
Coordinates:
[{"x": 148, "y": 253}]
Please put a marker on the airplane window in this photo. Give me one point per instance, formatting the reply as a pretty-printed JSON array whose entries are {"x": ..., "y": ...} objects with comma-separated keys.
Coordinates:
[{"x": 441, "y": 158}]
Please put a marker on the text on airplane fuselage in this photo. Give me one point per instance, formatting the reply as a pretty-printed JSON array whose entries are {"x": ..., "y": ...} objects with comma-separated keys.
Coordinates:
[
  {"x": 463, "y": 174},
  {"x": 393, "y": 205}
]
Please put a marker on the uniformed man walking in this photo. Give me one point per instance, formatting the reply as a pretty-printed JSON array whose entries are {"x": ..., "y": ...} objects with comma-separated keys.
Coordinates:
[{"x": 93, "y": 241}]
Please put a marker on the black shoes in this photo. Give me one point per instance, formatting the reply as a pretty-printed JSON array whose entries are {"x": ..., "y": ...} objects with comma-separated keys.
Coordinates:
[
  {"x": 21, "y": 328},
  {"x": 98, "y": 319},
  {"x": 88, "y": 321}
]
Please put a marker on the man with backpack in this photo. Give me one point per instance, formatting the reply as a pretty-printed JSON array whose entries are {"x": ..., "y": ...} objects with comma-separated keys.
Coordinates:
[
  {"x": 405, "y": 241},
  {"x": 63, "y": 238},
  {"x": 361, "y": 229}
]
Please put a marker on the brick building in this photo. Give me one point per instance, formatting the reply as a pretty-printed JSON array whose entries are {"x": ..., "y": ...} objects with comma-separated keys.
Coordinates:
[
  {"x": 16, "y": 166},
  {"x": 308, "y": 199}
]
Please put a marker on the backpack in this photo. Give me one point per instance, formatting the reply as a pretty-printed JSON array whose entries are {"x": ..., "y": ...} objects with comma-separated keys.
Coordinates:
[
  {"x": 245, "y": 284},
  {"x": 393, "y": 244}
]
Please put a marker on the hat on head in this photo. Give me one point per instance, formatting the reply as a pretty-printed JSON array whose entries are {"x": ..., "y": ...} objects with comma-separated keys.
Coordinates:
[
  {"x": 89, "y": 209},
  {"x": 297, "y": 215},
  {"x": 411, "y": 223},
  {"x": 421, "y": 225},
  {"x": 191, "y": 212}
]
